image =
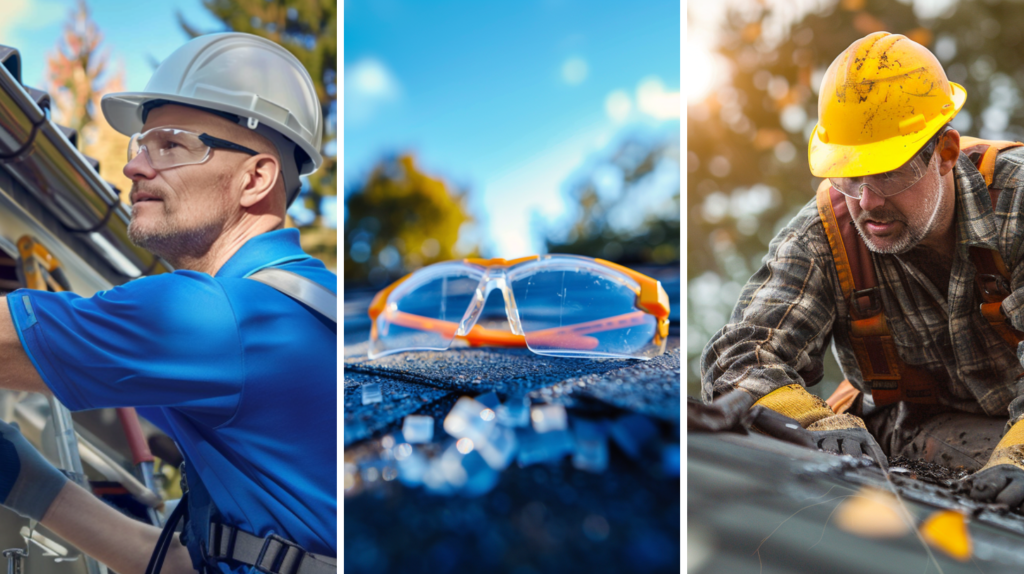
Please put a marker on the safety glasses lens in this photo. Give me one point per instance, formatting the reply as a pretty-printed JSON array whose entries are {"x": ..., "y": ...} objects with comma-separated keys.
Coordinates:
[
  {"x": 167, "y": 148},
  {"x": 575, "y": 310},
  {"x": 885, "y": 184},
  {"x": 424, "y": 311}
]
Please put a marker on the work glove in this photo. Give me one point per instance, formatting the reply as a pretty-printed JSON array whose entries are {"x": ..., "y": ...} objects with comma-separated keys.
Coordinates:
[
  {"x": 796, "y": 403},
  {"x": 732, "y": 412},
  {"x": 846, "y": 434},
  {"x": 840, "y": 434},
  {"x": 1001, "y": 480},
  {"x": 724, "y": 414},
  {"x": 28, "y": 482},
  {"x": 1001, "y": 484}
]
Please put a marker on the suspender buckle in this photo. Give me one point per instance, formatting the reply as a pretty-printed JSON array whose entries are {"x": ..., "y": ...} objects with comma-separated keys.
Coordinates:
[
  {"x": 274, "y": 556},
  {"x": 993, "y": 285},
  {"x": 219, "y": 548},
  {"x": 866, "y": 302}
]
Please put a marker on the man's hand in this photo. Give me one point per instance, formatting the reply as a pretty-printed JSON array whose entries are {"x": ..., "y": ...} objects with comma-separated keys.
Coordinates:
[
  {"x": 846, "y": 434},
  {"x": 732, "y": 412},
  {"x": 28, "y": 482},
  {"x": 1001, "y": 484},
  {"x": 724, "y": 414},
  {"x": 1001, "y": 480}
]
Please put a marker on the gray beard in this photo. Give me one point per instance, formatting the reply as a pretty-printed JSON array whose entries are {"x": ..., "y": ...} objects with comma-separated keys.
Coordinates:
[
  {"x": 911, "y": 237},
  {"x": 176, "y": 244}
]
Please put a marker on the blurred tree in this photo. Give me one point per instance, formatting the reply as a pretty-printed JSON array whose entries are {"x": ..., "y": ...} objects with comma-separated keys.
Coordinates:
[
  {"x": 78, "y": 77},
  {"x": 747, "y": 141},
  {"x": 309, "y": 30},
  {"x": 615, "y": 221},
  {"x": 399, "y": 220}
]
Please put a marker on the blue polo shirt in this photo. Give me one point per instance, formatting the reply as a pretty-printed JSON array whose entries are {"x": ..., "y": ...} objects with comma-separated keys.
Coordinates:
[{"x": 241, "y": 376}]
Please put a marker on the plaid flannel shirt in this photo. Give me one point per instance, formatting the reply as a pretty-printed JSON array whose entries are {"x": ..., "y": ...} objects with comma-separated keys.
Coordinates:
[{"x": 793, "y": 306}]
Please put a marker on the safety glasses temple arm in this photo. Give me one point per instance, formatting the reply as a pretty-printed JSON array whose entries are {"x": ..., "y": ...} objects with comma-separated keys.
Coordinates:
[
  {"x": 569, "y": 337},
  {"x": 225, "y": 144}
]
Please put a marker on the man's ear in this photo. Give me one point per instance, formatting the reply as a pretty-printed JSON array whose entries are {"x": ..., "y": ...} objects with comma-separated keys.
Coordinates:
[
  {"x": 259, "y": 177},
  {"x": 949, "y": 151}
]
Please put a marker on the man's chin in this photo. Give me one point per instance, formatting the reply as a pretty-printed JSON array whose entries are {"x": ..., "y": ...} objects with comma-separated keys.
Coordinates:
[{"x": 889, "y": 244}]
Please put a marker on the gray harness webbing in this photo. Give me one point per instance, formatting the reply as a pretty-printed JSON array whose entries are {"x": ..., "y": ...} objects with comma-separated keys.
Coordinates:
[{"x": 303, "y": 290}]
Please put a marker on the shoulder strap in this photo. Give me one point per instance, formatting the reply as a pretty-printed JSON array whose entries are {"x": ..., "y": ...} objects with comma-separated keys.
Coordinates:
[
  {"x": 890, "y": 379},
  {"x": 983, "y": 154},
  {"x": 992, "y": 276},
  {"x": 850, "y": 254},
  {"x": 303, "y": 290}
]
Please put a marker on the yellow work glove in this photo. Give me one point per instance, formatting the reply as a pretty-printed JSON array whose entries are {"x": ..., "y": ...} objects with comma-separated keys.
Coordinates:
[
  {"x": 1001, "y": 480},
  {"x": 796, "y": 403},
  {"x": 840, "y": 434}
]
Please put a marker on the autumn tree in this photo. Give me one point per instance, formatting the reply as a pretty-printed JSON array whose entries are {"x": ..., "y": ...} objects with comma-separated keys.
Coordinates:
[
  {"x": 309, "y": 30},
  {"x": 747, "y": 140},
  {"x": 398, "y": 220},
  {"x": 78, "y": 77},
  {"x": 623, "y": 212}
]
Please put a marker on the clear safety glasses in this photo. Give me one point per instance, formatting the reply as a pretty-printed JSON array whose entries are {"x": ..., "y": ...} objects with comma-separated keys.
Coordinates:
[
  {"x": 886, "y": 184},
  {"x": 171, "y": 147},
  {"x": 557, "y": 305}
]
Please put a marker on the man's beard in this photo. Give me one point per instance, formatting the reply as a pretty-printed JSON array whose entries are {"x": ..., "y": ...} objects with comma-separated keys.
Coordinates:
[
  {"x": 911, "y": 235},
  {"x": 174, "y": 243}
]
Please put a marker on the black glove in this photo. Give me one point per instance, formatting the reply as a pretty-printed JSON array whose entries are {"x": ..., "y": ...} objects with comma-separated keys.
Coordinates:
[
  {"x": 779, "y": 426},
  {"x": 732, "y": 412},
  {"x": 724, "y": 414},
  {"x": 854, "y": 441},
  {"x": 1000, "y": 484}
]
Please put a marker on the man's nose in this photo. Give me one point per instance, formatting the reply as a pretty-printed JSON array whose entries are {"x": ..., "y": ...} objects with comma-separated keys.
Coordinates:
[
  {"x": 139, "y": 167},
  {"x": 869, "y": 199}
]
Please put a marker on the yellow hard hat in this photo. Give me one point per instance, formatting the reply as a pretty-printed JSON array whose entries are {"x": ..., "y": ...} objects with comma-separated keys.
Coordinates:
[{"x": 879, "y": 103}]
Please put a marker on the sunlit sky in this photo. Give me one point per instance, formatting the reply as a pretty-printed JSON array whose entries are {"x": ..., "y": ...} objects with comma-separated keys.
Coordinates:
[
  {"x": 137, "y": 38},
  {"x": 506, "y": 99}
]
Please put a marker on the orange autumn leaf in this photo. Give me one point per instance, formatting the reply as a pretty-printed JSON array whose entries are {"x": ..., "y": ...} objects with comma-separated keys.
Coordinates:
[
  {"x": 947, "y": 531},
  {"x": 871, "y": 513}
]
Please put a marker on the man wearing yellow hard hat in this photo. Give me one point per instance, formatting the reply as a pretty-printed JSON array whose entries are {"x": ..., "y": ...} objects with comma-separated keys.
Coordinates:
[{"x": 910, "y": 263}]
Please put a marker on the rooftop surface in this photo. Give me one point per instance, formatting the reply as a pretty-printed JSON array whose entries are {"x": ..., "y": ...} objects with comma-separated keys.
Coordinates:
[
  {"x": 756, "y": 504},
  {"x": 595, "y": 490}
]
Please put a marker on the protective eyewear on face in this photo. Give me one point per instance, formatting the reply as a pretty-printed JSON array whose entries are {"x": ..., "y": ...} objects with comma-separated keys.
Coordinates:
[
  {"x": 170, "y": 147},
  {"x": 885, "y": 184},
  {"x": 557, "y": 305}
]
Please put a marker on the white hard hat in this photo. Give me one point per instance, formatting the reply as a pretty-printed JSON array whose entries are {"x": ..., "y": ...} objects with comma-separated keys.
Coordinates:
[{"x": 247, "y": 78}]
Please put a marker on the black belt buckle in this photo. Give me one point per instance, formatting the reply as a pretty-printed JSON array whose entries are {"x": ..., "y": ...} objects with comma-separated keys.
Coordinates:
[
  {"x": 999, "y": 285},
  {"x": 874, "y": 306},
  {"x": 278, "y": 557}
]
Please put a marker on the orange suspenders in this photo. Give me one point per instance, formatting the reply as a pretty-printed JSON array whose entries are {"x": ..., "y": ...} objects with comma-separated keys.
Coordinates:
[{"x": 889, "y": 378}]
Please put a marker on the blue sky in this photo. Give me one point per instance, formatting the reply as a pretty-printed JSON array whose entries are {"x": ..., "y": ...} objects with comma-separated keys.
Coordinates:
[
  {"x": 137, "y": 33},
  {"x": 134, "y": 35},
  {"x": 506, "y": 99}
]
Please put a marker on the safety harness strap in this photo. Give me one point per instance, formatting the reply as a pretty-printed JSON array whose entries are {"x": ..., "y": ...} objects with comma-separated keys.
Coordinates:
[
  {"x": 303, "y": 290},
  {"x": 891, "y": 380},
  {"x": 271, "y": 555}
]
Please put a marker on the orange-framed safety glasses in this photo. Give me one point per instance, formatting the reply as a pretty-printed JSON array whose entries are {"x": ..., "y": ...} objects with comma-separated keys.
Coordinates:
[{"x": 557, "y": 305}]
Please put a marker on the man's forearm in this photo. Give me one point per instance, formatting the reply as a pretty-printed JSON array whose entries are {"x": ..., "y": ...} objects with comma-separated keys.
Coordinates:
[
  {"x": 18, "y": 373},
  {"x": 123, "y": 544}
]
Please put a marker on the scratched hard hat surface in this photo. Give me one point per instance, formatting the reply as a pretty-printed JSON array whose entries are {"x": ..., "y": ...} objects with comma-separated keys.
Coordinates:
[{"x": 526, "y": 464}]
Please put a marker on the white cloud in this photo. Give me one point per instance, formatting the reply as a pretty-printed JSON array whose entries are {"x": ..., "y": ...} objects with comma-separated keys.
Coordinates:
[
  {"x": 574, "y": 71},
  {"x": 618, "y": 105},
  {"x": 654, "y": 100},
  {"x": 368, "y": 86},
  {"x": 20, "y": 15}
]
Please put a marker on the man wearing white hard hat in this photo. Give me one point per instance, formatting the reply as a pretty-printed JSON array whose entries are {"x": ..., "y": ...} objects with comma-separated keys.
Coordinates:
[{"x": 233, "y": 355}]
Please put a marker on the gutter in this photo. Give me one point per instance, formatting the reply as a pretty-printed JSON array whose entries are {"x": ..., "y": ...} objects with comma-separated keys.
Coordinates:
[{"x": 40, "y": 156}]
